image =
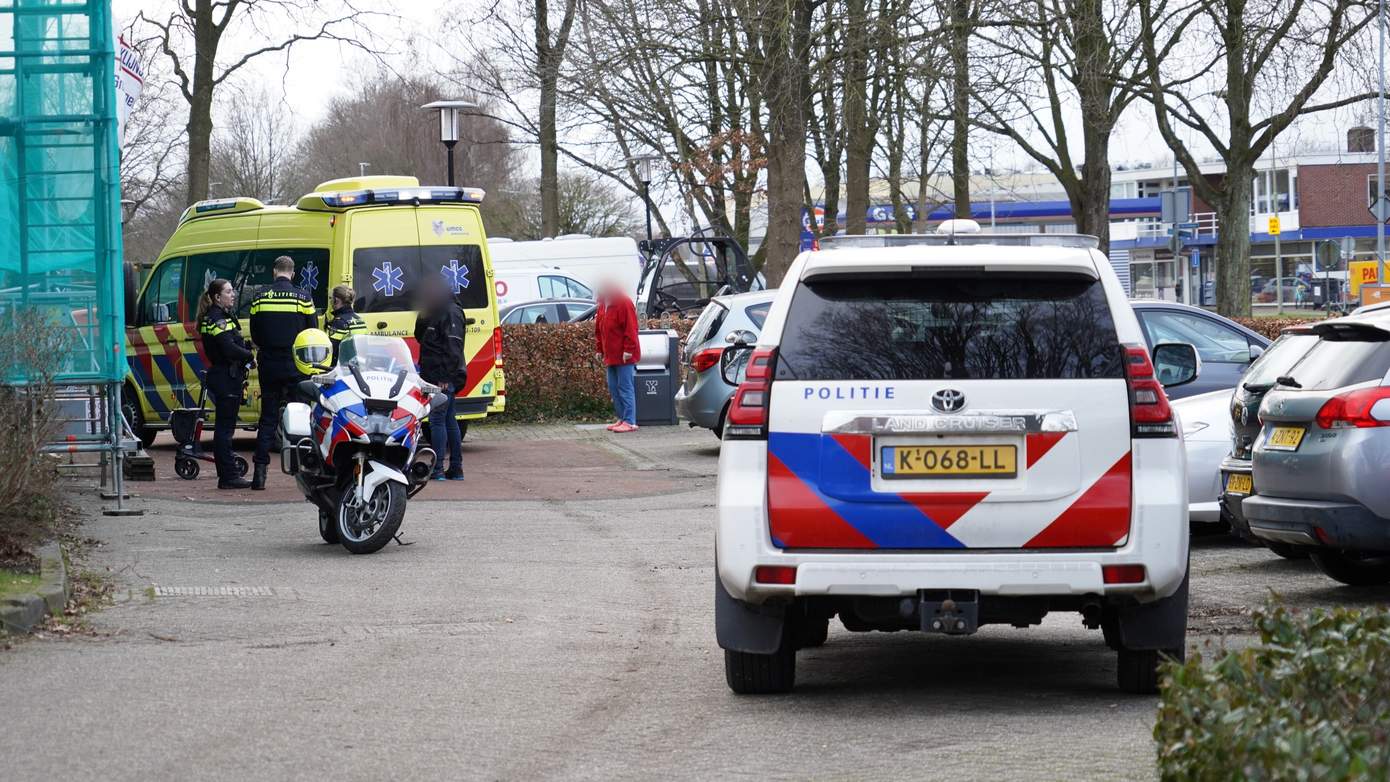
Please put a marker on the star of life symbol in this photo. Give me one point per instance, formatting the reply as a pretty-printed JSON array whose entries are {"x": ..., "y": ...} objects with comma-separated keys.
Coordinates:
[
  {"x": 456, "y": 276},
  {"x": 309, "y": 278},
  {"x": 387, "y": 279}
]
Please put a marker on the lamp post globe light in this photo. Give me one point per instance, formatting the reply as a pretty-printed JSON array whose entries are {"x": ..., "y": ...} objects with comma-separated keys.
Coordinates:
[
  {"x": 642, "y": 166},
  {"x": 449, "y": 111}
]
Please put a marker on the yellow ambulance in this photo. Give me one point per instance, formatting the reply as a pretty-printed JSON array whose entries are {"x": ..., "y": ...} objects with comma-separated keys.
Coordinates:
[{"x": 381, "y": 235}]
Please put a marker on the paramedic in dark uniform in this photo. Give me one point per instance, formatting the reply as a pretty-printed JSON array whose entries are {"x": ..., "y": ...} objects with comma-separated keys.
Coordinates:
[
  {"x": 278, "y": 314},
  {"x": 343, "y": 323},
  {"x": 228, "y": 357}
]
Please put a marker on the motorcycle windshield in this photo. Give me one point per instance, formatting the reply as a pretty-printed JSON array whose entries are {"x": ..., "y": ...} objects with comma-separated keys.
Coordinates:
[{"x": 371, "y": 353}]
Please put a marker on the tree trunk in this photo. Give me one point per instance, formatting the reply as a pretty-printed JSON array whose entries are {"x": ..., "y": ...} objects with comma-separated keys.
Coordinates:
[
  {"x": 1233, "y": 243},
  {"x": 549, "y": 73},
  {"x": 787, "y": 31},
  {"x": 1091, "y": 199},
  {"x": 206, "y": 37},
  {"x": 859, "y": 139},
  {"x": 960, "y": 105}
]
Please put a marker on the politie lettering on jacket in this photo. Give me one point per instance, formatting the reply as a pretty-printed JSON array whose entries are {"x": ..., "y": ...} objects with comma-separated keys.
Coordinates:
[{"x": 849, "y": 392}]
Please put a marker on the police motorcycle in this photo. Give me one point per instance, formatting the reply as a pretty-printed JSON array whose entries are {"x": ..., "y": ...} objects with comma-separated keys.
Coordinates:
[{"x": 355, "y": 450}]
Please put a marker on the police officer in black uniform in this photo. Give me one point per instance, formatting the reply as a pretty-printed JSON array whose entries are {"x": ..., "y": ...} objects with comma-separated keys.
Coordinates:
[
  {"x": 344, "y": 323},
  {"x": 278, "y": 314},
  {"x": 228, "y": 359}
]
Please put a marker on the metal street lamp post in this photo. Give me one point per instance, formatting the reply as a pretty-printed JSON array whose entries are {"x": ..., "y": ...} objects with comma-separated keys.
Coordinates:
[
  {"x": 449, "y": 127},
  {"x": 643, "y": 166}
]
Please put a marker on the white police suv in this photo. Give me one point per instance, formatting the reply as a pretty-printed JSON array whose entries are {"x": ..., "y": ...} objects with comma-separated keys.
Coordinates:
[{"x": 940, "y": 432}]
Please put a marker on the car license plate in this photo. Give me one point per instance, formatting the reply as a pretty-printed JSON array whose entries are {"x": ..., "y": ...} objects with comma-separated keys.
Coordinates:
[
  {"x": 1285, "y": 438},
  {"x": 1239, "y": 483},
  {"x": 949, "y": 461}
]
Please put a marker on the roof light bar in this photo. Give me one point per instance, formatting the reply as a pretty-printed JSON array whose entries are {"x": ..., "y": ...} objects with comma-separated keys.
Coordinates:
[
  {"x": 404, "y": 195},
  {"x": 1075, "y": 241}
]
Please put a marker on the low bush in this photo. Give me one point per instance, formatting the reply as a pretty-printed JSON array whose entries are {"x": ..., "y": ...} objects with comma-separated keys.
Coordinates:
[
  {"x": 1271, "y": 328},
  {"x": 31, "y": 504},
  {"x": 1311, "y": 701},
  {"x": 552, "y": 373}
]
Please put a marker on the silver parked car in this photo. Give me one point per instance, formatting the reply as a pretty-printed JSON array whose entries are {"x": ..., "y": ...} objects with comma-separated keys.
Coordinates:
[
  {"x": 704, "y": 396},
  {"x": 1320, "y": 460},
  {"x": 1206, "y": 433}
]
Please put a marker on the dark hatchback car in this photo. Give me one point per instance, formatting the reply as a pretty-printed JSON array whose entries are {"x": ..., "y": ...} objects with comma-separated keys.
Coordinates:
[
  {"x": 1237, "y": 481},
  {"x": 1226, "y": 347}
]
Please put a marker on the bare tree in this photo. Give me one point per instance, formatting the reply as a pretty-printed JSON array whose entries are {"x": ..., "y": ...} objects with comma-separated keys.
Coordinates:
[
  {"x": 1256, "y": 66},
  {"x": 1050, "y": 61},
  {"x": 192, "y": 36},
  {"x": 783, "y": 29},
  {"x": 381, "y": 124},
  {"x": 589, "y": 204},
  {"x": 253, "y": 148}
]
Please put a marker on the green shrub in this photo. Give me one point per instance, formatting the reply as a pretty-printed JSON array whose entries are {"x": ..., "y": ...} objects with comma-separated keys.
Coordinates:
[
  {"x": 552, "y": 373},
  {"x": 31, "y": 497},
  {"x": 1311, "y": 701}
]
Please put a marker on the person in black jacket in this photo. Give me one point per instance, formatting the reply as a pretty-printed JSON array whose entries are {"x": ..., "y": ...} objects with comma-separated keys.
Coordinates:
[
  {"x": 278, "y": 314},
  {"x": 440, "y": 329},
  {"x": 345, "y": 323},
  {"x": 228, "y": 358}
]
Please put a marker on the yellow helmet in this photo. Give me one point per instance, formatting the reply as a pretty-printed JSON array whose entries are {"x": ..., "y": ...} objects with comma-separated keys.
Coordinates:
[{"x": 313, "y": 352}]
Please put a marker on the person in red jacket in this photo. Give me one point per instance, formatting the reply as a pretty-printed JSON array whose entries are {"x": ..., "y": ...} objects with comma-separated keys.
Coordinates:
[{"x": 615, "y": 328}]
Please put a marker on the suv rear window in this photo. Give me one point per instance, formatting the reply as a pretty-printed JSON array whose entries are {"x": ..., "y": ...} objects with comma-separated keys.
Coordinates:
[
  {"x": 1335, "y": 364},
  {"x": 987, "y": 326},
  {"x": 1283, "y": 354}
]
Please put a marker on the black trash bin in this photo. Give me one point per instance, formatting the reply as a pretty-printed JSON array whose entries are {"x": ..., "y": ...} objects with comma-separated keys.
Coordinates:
[{"x": 657, "y": 375}]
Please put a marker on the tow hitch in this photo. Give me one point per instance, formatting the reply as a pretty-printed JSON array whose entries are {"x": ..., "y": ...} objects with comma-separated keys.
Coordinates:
[{"x": 950, "y": 611}]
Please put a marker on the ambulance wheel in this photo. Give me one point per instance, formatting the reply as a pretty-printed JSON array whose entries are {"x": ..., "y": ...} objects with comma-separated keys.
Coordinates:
[
  {"x": 186, "y": 468},
  {"x": 328, "y": 526},
  {"x": 242, "y": 467},
  {"x": 130, "y": 408}
]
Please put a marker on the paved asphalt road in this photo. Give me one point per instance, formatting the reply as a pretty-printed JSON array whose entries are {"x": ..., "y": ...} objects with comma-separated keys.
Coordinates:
[{"x": 553, "y": 620}]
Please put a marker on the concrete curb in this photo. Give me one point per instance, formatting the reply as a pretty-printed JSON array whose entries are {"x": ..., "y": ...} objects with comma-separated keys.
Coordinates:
[{"x": 21, "y": 613}]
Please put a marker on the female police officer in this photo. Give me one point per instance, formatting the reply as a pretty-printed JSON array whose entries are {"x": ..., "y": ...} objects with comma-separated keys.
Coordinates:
[{"x": 228, "y": 357}]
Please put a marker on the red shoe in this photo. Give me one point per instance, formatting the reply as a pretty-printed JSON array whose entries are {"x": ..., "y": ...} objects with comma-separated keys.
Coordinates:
[
  {"x": 624, "y": 428},
  {"x": 613, "y": 425}
]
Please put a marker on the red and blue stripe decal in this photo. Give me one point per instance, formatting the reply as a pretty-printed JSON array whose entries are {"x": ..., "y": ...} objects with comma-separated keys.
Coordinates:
[{"x": 820, "y": 496}]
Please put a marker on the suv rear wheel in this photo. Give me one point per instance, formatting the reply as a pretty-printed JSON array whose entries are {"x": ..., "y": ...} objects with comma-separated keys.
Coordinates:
[
  {"x": 1353, "y": 568},
  {"x": 1138, "y": 669},
  {"x": 761, "y": 674}
]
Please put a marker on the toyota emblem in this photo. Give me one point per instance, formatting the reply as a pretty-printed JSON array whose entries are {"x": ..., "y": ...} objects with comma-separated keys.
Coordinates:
[{"x": 948, "y": 400}]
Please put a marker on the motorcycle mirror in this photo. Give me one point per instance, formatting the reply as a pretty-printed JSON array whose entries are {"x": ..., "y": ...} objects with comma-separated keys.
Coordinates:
[{"x": 308, "y": 388}]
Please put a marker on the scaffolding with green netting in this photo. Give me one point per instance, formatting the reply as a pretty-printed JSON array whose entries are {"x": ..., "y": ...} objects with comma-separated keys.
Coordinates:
[{"x": 60, "y": 242}]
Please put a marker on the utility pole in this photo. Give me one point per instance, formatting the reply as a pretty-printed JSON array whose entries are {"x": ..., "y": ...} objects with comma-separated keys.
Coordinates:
[{"x": 1380, "y": 140}]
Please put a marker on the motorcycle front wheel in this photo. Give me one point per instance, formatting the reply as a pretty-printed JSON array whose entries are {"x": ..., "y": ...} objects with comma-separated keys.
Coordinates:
[{"x": 366, "y": 528}]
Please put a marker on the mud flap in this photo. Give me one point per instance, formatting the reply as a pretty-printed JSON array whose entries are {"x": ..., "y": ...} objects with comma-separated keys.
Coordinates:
[
  {"x": 1161, "y": 624},
  {"x": 745, "y": 627}
]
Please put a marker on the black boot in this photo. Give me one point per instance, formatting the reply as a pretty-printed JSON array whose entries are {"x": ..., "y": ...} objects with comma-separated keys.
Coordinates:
[
  {"x": 258, "y": 478},
  {"x": 233, "y": 483}
]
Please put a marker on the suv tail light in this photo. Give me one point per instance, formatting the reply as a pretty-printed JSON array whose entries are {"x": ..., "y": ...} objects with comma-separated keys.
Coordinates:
[
  {"x": 1149, "y": 412},
  {"x": 706, "y": 358},
  {"x": 1355, "y": 409},
  {"x": 747, "y": 417}
]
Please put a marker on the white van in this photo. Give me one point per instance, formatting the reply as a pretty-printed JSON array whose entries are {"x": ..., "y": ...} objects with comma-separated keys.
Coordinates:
[
  {"x": 516, "y": 284},
  {"x": 576, "y": 256}
]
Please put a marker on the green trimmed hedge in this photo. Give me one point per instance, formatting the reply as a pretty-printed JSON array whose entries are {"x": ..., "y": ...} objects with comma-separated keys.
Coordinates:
[
  {"x": 552, "y": 373},
  {"x": 1311, "y": 701}
]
